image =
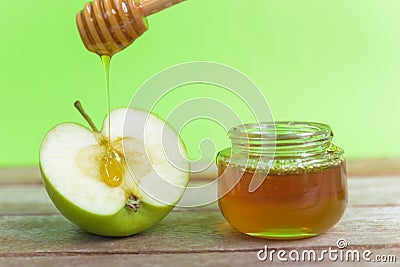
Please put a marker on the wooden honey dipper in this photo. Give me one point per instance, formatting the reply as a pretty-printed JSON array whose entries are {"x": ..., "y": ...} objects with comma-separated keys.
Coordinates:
[{"x": 108, "y": 26}]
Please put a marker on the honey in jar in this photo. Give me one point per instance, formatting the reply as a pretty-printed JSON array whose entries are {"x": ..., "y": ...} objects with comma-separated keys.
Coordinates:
[{"x": 283, "y": 180}]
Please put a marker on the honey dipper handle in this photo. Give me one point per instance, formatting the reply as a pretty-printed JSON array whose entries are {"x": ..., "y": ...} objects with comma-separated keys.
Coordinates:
[{"x": 153, "y": 6}]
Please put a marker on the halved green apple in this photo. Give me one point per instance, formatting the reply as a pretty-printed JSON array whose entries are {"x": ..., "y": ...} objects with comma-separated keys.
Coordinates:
[{"x": 155, "y": 172}]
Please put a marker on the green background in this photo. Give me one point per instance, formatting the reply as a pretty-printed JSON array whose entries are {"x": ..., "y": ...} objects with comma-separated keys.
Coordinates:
[{"x": 336, "y": 62}]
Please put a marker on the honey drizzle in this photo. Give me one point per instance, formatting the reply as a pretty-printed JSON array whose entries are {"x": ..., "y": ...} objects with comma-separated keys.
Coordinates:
[
  {"x": 107, "y": 27},
  {"x": 111, "y": 169},
  {"x": 106, "y": 60}
]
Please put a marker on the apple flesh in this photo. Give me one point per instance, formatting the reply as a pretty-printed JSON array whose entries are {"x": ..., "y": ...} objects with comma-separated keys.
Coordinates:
[{"x": 155, "y": 172}]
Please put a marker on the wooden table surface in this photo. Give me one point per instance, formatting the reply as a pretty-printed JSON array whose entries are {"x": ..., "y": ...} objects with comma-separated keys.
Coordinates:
[{"x": 33, "y": 233}]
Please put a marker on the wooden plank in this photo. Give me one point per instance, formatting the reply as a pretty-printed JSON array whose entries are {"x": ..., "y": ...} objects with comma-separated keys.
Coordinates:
[
  {"x": 373, "y": 167},
  {"x": 25, "y": 199},
  {"x": 374, "y": 191},
  {"x": 182, "y": 259},
  {"x": 193, "y": 232},
  {"x": 29, "y": 199},
  {"x": 32, "y": 232},
  {"x": 33, "y": 199},
  {"x": 355, "y": 167},
  {"x": 14, "y": 175}
]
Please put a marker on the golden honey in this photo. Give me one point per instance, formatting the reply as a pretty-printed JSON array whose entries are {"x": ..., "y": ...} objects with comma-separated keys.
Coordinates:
[
  {"x": 301, "y": 185},
  {"x": 111, "y": 170}
]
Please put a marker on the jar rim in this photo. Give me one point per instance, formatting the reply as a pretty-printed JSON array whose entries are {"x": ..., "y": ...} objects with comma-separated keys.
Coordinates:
[
  {"x": 282, "y": 145},
  {"x": 282, "y": 130}
]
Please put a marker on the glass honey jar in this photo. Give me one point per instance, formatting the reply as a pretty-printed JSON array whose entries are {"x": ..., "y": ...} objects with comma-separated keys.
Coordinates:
[{"x": 282, "y": 180}]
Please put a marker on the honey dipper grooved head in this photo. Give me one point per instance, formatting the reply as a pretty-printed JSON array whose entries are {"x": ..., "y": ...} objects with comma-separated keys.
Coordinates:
[{"x": 108, "y": 26}]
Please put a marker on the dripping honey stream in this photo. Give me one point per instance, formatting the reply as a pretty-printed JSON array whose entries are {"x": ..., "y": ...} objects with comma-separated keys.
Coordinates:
[{"x": 106, "y": 27}]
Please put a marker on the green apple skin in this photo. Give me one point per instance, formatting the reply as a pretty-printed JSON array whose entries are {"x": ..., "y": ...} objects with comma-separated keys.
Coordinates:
[{"x": 125, "y": 222}]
